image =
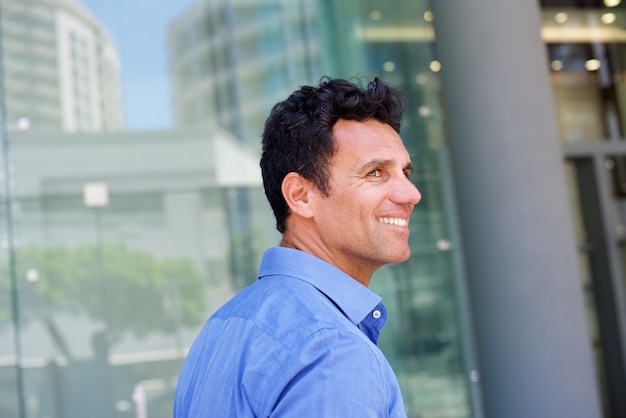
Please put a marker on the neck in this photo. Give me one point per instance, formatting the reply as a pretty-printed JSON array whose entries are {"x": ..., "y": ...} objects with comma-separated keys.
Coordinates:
[{"x": 360, "y": 273}]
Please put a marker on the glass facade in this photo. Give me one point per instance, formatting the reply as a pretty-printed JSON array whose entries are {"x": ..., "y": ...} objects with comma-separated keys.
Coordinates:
[
  {"x": 132, "y": 200},
  {"x": 425, "y": 341}
]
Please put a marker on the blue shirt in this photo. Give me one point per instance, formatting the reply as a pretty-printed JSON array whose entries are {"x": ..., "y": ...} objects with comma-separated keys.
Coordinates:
[{"x": 299, "y": 342}]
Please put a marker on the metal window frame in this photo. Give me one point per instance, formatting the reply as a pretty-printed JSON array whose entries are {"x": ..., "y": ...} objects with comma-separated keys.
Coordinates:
[{"x": 607, "y": 270}]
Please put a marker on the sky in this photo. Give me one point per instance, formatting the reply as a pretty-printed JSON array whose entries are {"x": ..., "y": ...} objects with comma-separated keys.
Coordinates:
[{"x": 139, "y": 28}]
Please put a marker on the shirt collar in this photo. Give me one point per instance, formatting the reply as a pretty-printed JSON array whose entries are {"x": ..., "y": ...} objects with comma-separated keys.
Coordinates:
[{"x": 355, "y": 300}]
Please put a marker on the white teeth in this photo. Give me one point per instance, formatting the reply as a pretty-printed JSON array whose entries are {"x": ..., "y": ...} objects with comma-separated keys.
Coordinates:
[{"x": 393, "y": 221}]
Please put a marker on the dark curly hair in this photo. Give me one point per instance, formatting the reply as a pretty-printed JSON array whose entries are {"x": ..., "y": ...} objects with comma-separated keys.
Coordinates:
[{"x": 298, "y": 132}]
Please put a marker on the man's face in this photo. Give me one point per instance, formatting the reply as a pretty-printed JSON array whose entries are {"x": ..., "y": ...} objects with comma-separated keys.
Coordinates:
[{"x": 363, "y": 222}]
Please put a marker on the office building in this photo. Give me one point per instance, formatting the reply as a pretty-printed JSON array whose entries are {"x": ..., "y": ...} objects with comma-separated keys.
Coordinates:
[
  {"x": 231, "y": 59},
  {"x": 61, "y": 68}
]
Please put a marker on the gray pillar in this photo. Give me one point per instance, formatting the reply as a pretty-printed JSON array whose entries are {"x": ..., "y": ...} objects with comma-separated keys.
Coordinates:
[{"x": 526, "y": 293}]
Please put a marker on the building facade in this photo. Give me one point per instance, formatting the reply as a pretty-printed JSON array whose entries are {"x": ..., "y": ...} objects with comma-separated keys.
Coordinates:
[
  {"x": 231, "y": 59},
  {"x": 61, "y": 68}
]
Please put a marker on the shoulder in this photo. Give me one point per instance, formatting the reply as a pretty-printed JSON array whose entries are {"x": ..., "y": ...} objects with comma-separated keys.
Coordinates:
[
  {"x": 281, "y": 343},
  {"x": 335, "y": 373},
  {"x": 284, "y": 308}
]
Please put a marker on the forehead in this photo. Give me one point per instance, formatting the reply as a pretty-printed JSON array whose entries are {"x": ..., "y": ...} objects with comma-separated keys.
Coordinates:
[{"x": 364, "y": 141}]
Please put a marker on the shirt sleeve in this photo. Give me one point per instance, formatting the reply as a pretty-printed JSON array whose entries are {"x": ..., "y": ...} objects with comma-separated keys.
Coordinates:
[{"x": 333, "y": 373}]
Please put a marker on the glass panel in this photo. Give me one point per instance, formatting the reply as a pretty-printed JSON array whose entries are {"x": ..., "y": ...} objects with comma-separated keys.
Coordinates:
[
  {"x": 127, "y": 264},
  {"x": 587, "y": 55},
  {"x": 138, "y": 206},
  {"x": 424, "y": 340}
]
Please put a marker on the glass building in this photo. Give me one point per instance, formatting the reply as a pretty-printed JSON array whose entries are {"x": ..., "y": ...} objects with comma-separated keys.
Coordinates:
[{"x": 132, "y": 204}]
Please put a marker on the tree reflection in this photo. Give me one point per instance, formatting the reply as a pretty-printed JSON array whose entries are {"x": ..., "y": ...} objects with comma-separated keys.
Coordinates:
[{"x": 125, "y": 289}]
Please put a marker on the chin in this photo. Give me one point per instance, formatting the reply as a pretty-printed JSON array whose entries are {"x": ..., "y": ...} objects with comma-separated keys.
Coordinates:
[
  {"x": 400, "y": 256},
  {"x": 403, "y": 259}
]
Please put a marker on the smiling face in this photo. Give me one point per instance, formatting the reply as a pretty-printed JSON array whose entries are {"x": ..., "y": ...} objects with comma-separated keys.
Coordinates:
[{"x": 362, "y": 223}]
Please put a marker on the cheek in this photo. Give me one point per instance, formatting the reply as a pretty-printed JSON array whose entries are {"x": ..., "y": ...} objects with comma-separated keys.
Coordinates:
[
  {"x": 337, "y": 215},
  {"x": 348, "y": 204}
]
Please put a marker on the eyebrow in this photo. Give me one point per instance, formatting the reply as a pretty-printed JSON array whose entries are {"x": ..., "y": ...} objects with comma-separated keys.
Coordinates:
[{"x": 385, "y": 163}]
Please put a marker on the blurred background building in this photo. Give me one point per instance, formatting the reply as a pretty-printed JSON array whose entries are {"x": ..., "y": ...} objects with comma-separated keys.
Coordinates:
[
  {"x": 61, "y": 68},
  {"x": 229, "y": 61},
  {"x": 117, "y": 245}
]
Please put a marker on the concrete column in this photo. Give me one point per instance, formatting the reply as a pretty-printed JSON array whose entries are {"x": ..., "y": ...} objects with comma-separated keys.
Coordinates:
[{"x": 531, "y": 330}]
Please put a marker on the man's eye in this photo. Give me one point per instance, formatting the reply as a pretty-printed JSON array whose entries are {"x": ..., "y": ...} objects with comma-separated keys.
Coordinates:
[{"x": 375, "y": 173}]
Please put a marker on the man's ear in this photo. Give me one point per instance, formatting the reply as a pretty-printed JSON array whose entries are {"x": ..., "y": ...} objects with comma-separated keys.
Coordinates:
[{"x": 297, "y": 193}]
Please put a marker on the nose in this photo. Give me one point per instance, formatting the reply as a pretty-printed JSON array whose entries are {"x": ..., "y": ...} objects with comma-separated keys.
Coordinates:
[{"x": 405, "y": 192}]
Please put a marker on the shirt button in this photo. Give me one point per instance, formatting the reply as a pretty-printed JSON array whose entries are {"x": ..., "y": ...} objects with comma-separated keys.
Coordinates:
[{"x": 376, "y": 314}]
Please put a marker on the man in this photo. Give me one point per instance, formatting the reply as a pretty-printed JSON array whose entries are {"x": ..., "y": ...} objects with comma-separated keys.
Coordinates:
[{"x": 301, "y": 341}]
